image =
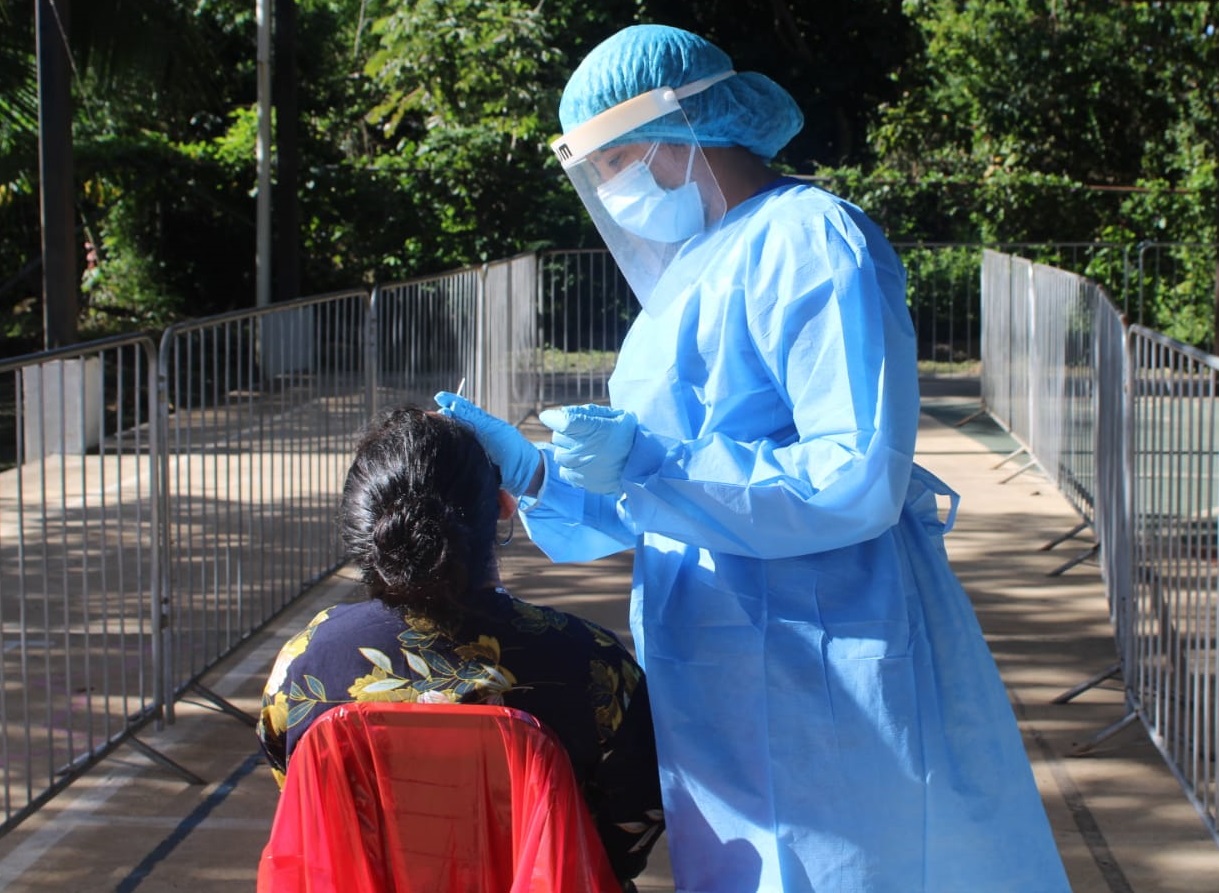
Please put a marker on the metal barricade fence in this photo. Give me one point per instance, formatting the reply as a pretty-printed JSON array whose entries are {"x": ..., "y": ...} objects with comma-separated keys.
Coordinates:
[
  {"x": 1039, "y": 376},
  {"x": 259, "y": 413},
  {"x": 1063, "y": 410},
  {"x": 79, "y": 562},
  {"x": 1006, "y": 343},
  {"x": 943, "y": 293},
  {"x": 509, "y": 372},
  {"x": 996, "y": 338},
  {"x": 584, "y": 310},
  {"x": 944, "y": 290},
  {"x": 1124, "y": 423},
  {"x": 426, "y": 337},
  {"x": 476, "y": 325},
  {"x": 1174, "y": 292},
  {"x": 237, "y": 438},
  {"x": 204, "y": 501},
  {"x": 1113, "y": 474},
  {"x": 1038, "y": 379},
  {"x": 1174, "y": 637}
]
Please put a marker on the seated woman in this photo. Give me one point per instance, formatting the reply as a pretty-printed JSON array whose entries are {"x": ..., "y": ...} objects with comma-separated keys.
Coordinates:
[{"x": 418, "y": 517}]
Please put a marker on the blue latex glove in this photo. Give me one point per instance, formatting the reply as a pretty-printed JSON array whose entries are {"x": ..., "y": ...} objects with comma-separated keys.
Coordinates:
[
  {"x": 507, "y": 447},
  {"x": 591, "y": 444}
]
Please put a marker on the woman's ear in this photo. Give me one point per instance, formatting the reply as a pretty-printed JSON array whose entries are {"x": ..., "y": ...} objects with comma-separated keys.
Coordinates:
[{"x": 507, "y": 505}]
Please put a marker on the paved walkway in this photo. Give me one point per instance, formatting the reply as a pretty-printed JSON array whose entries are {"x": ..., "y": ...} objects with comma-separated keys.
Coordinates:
[{"x": 1122, "y": 821}]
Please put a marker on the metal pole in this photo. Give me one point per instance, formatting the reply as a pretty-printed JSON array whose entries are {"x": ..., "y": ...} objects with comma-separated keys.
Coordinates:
[{"x": 263, "y": 154}]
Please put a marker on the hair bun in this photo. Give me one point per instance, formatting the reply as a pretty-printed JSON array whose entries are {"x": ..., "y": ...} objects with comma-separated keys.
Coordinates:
[
  {"x": 418, "y": 513},
  {"x": 418, "y": 543}
]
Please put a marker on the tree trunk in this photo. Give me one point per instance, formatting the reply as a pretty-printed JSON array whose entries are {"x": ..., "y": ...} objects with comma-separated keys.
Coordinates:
[{"x": 60, "y": 284}]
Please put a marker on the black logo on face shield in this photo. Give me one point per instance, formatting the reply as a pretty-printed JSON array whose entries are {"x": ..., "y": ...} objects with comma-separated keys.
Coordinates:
[{"x": 562, "y": 151}]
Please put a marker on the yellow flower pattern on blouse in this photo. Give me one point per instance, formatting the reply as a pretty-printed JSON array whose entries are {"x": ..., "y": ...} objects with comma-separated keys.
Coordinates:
[
  {"x": 535, "y": 619},
  {"x": 478, "y": 678},
  {"x": 604, "y": 687}
]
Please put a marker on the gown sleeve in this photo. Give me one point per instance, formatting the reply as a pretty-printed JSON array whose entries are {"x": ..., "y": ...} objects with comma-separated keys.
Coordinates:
[
  {"x": 829, "y": 324},
  {"x": 570, "y": 524}
]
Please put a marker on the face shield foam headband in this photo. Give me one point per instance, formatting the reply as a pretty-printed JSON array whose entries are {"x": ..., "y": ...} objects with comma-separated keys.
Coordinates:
[
  {"x": 615, "y": 123},
  {"x": 644, "y": 225},
  {"x": 642, "y": 206}
]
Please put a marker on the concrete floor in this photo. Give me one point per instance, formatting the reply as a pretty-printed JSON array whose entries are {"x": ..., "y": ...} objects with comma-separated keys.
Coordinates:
[{"x": 1122, "y": 822}]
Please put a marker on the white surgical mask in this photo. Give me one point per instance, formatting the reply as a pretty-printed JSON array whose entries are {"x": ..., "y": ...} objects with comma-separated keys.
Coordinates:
[{"x": 640, "y": 205}]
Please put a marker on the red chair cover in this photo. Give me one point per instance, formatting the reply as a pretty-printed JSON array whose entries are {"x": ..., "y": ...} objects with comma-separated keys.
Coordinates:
[{"x": 432, "y": 798}]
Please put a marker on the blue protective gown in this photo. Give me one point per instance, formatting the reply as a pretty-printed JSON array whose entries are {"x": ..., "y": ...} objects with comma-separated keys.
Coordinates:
[{"x": 829, "y": 717}]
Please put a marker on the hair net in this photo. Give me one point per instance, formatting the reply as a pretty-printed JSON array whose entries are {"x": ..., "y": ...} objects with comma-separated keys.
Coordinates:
[{"x": 747, "y": 110}]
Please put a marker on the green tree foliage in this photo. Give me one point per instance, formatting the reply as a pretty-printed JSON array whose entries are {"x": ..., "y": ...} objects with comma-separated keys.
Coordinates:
[
  {"x": 20, "y": 269},
  {"x": 464, "y": 90},
  {"x": 152, "y": 81},
  {"x": 1045, "y": 115},
  {"x": 424, "y": 130},
  {"x": 1063, "y": 88},
  {"x": 1061, "y": 121},
  {"x": 469, "y": 95},
  {"x": 840, "y": 59}
]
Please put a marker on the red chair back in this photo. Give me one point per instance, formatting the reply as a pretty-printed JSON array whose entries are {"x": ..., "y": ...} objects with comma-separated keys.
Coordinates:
[{"x": 432, "y": 798}]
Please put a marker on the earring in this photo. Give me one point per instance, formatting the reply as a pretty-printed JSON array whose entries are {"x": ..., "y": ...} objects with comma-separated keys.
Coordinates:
[{"x": 511, "y": 530}]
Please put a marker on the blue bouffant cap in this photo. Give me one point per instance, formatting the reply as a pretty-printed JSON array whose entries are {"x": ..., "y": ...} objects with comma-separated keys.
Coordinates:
[{"x": 747, "y": 109}]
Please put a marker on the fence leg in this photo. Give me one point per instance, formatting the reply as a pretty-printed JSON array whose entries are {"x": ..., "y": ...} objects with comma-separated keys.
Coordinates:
[
  {"x": 1019, "y": 471},
  {"x": 225, "y": 706},
  {"x": 157, "y": 757},
  {"x": 1085, "y": 748},
  {"x": 1070, "y": 534},
  {"x": 1091, "y": 744},
  {"x": 969, "y": 418},
  {"x": 1009, "y": 457},
  {"x": 1072, "y": 693},
  {"x": 1078, "y": 559}
]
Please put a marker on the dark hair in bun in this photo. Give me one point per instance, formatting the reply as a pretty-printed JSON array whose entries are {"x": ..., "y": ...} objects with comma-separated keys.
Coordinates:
[{"x": 418, "y": 513}]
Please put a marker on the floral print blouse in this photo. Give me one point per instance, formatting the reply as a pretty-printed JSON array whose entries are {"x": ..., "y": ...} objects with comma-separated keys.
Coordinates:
[{"x": 573, "y": 675}]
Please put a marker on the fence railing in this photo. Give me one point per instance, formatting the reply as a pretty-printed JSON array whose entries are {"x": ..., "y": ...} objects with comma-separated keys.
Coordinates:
[
  {"x": 509, "y": 349},
  {"x": 257, "y": 414},
  {"x": 79, "y": 565},
  {"x": 1123, "y": 420},
  {"x": 161, "y": 503},
  {"x": 585, "y": 306},
  {"x": 1173, "y": 291},
  {"x": 1043, "y": 331},
  {"x": 1174, "y": 634},
  {"x": 584, "y": 310},
  {"x": 425, "y": 336},
  {"x": 478, "y": 325}
]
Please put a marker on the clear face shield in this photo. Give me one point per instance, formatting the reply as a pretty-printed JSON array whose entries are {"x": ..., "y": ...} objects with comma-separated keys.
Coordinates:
[{"x": 642, "y": 175}]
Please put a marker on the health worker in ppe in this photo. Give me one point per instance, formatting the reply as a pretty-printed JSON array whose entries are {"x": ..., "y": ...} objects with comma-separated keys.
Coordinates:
[{"x": 829, "y": 718}]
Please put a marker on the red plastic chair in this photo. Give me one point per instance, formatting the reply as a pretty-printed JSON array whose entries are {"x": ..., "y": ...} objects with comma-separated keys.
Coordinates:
[{"x": 432, "y": 798}]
